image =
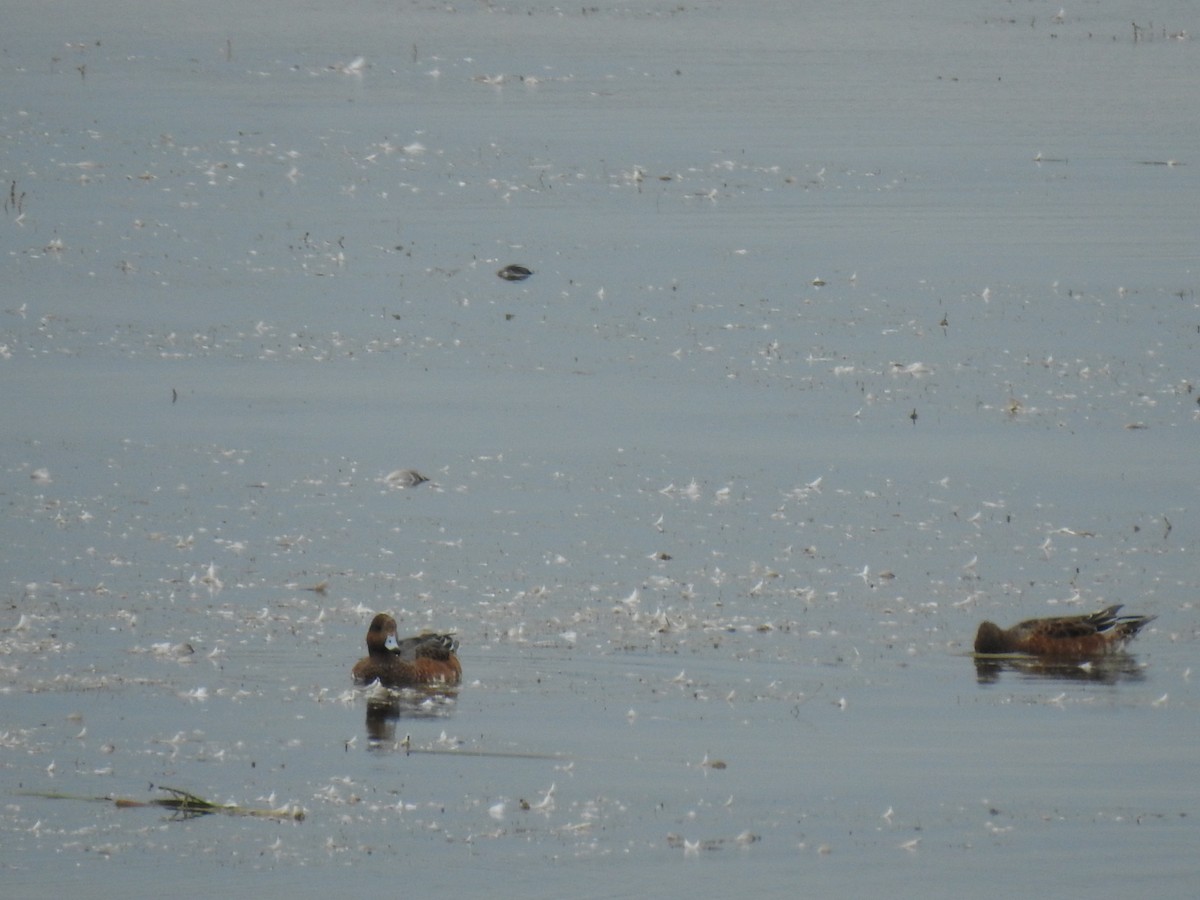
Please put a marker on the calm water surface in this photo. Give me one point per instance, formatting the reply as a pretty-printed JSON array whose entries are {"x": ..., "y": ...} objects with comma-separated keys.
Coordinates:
[{"x": 851, "y": 325}]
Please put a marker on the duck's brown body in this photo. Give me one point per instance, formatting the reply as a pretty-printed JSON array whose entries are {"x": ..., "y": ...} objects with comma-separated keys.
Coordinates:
[
  {"x": 1065, "y": 636},
  {"x": 424, "y": 659}
]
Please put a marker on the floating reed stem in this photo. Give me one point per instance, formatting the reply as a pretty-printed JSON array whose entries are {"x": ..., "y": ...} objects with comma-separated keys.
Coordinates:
[{"x": 180, "y": 801}]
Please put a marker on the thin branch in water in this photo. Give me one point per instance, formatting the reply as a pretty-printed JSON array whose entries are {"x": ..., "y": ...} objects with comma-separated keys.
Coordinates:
[{"x": 182, "y": 802}]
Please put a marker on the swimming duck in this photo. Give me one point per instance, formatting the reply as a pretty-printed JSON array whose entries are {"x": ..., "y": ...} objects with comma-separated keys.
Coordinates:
[
  {"x": 404, "y": 478},
  {"x": 1095, "y": 634},
  {"x": 515, "y": 272},
  {"x": 423, "y": 659}
]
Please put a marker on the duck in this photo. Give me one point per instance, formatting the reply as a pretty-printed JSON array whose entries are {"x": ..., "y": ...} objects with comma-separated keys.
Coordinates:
[
  {"x": 427, "y": 658},
  {"x": 1095, "y": 634},
  {"x": 515, "y": 272}
]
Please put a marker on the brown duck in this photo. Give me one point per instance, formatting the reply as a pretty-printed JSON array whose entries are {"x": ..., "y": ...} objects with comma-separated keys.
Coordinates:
[
  {"x": 427, "y": 658},
  {"x": 1072, "y": 636}
]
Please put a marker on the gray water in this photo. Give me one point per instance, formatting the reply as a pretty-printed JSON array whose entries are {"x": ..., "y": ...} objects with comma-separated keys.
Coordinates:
[{"x": 851, "y": 325}]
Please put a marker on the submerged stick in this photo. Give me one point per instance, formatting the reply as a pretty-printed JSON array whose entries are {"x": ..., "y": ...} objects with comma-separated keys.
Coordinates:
[{"x": 409, "y": 749}]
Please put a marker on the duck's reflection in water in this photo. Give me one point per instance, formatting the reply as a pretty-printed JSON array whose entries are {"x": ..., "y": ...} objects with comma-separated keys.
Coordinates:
[
  {"x": 387, "y": 707},
  {"x": 1112, "y": 668}
]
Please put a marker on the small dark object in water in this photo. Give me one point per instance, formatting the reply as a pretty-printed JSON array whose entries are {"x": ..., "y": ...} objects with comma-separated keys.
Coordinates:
[{"x": 514, "y": 273}]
